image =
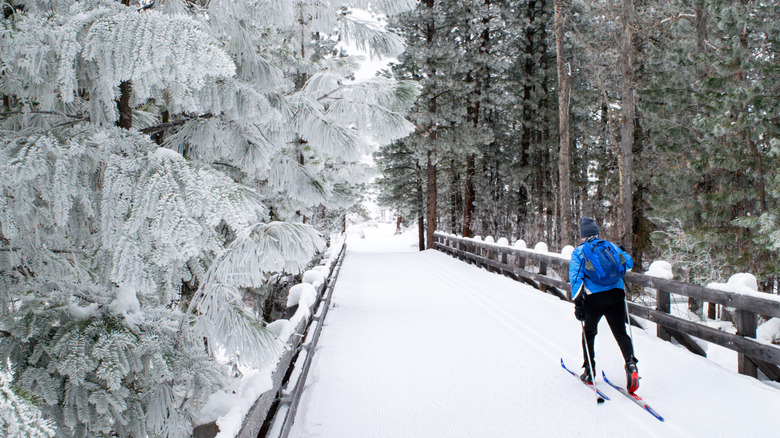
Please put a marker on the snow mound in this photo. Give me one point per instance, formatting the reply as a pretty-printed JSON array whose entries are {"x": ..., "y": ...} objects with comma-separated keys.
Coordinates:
[
  {"x": 314, "y": 277},
  {"x": 228, "y": 409},
  {"x": 660, "y": 269},
  {"x": 503, "y": 241},
  {"x": 303, "y": 293},
  {"x": 79, "y": 312},
  {"x": 126, "y": 304},
  {"x": 567, "y": 251},
  {"x": 520, "y": 243},
  {"x": 489, "y": 239},
  {"x": 281, "y": 328},
  {"x": 741, "y": 283},
  {"x": 162, "y": 153},
  {"x": 541, "y": 247},
  {"x": 769, "y": 331}
]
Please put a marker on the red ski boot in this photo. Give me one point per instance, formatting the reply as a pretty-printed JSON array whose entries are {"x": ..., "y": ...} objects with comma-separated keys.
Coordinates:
[{"x": 632, "y": 376}]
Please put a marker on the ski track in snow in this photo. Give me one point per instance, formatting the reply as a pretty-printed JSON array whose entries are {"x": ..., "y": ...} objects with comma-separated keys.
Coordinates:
[{"x": 419, "y": 344}]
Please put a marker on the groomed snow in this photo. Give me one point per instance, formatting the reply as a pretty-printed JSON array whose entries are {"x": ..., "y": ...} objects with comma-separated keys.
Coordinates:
[{"x": 419, "y": 344}]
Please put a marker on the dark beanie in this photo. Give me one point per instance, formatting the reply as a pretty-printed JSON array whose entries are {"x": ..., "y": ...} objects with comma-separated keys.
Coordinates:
[{"x": 588, "y": 228}]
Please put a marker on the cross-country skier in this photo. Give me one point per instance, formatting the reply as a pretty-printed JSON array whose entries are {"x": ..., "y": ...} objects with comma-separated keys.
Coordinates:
[{"x": 597, "y": 290}]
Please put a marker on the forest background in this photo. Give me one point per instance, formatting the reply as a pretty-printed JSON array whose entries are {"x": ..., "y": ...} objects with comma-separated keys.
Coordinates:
[{"x": 660, "y": 119}]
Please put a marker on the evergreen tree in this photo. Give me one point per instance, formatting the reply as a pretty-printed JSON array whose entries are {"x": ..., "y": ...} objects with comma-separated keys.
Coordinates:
[
  {"x": 739, "y": 125},
  {"x": 401, "y": 182},
  {"x": 119, "y": 257}
]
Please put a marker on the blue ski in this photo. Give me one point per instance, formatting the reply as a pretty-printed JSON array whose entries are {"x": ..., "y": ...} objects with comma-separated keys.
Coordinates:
[
  {"x": 635, "y": 398},
  {"x": 600, "y": 394}
]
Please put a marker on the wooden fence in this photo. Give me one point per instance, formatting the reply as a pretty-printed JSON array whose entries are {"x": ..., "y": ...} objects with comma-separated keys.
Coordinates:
[{"x": 549, "y": 272}]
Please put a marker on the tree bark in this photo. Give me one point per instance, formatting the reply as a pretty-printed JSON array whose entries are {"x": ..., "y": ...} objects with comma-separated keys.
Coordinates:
[
  {"x": 420, "y": 209},
  {"x": 565, "y": 223},
  {"x": 431, "y": 165},
  {"x": 421, "y": 232},
  {"x": 125, "y": 92},
  {"x": 468, "y": 208},
  {"x": 625, "y": 209},
  {"x": 123, "y": 105},
  {"x": 701, "y": 73},
  {"x": 432, "y": 192},
  {"x": 159, "y": 137}
]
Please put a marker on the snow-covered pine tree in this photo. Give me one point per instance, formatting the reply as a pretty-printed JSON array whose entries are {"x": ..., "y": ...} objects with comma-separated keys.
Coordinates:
[
  {"x": 400, "y": 183},
  {"x": 737, "y": 156},
  {"x": 100, "y": 227},
  {"x": 450, "y": 52},
  {"x": 19, "y": 417},
  {"x": 519, "y": 175}
]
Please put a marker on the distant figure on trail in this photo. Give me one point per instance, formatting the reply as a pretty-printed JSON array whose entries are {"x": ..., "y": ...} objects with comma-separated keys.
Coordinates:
[{"x": 596, "y": 276}]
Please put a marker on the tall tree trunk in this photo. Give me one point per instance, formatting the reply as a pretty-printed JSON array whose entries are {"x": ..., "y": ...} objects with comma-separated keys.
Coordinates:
[
  {"x": 431, "y": 165},
  {"x": 481, "y": 81},
  {"x": 420, "y": 208},
  {"x": 431, "y": 225},
  {"x": 421, "y": 232},
  {"x": 625, "y": 209},
  {"x": 468, "y": 208},
  {"x": 540, "y": 185},
  {"x": 455, "y": 197},
  {"x": 565, "y": 222},
  {"x": 701, "y": 72}
]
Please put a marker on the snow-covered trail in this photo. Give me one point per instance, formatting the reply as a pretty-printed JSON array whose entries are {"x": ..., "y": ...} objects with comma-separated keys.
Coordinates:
[{"x": 418, "y": 344}]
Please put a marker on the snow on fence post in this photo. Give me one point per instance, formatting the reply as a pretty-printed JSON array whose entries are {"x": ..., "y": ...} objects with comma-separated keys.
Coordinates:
[{"x": 747, "y": 323}]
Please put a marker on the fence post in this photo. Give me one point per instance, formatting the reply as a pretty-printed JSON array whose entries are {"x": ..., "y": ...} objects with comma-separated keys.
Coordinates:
[
  {"x": 542, "y": 271},
  {"x": 663, "y": 300},
  {"x": 504, "y": 259},
  {"x": 746, "y": 326}
]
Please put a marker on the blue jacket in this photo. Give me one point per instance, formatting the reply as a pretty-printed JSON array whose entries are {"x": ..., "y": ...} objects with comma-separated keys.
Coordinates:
[{"x": 577, "y": 277}]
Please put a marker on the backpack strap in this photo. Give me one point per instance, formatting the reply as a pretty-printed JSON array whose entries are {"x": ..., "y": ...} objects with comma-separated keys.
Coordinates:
[{"x": 619, "y": 252}]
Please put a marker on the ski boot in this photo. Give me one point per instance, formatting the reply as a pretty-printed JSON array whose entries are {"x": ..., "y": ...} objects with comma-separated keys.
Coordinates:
[
  {"x": 632, "y": 376},
  {"x": 587, "y": 375}
]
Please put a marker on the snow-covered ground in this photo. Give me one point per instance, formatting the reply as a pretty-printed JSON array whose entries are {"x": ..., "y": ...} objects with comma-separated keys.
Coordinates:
[{"x": 419, "y": 344}]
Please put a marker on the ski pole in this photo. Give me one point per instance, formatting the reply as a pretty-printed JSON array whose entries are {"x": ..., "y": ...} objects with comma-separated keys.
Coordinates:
[
  {"x": 591, "y": 365},
  {"x": 628, "y": 315}
]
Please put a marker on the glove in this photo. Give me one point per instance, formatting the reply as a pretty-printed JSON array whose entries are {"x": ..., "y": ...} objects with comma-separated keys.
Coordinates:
[
  {"x": 579, "y": 313},
  {"x": 579, "y": 304}
]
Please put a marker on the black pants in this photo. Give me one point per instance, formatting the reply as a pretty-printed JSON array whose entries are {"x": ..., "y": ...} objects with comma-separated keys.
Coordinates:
[{"x": 610, "y": 304}]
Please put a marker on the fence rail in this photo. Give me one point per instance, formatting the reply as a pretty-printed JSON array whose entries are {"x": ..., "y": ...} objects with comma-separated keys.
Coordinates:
[{"x": 752, "y": 354}]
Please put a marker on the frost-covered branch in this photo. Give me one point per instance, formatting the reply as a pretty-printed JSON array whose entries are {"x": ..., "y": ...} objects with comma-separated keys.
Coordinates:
[{"x": 166, "y": 126}]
